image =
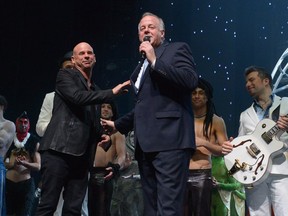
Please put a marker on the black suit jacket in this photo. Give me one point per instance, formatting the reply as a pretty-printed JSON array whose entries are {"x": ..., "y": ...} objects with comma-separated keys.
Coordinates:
[
  {"x": 163, "y": 117},
  {"x": 74, "y": 124}
]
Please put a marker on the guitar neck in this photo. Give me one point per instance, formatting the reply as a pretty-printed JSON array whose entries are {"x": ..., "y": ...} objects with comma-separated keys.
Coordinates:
[{"x": 275, "y": 130}]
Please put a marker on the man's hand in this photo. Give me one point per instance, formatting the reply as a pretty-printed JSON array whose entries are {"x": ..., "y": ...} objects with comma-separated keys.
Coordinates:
[
  {"x": 128, "y": 160},
  {"x": 114, "y": 171},
  {"x": 121, "y": 88},
  {"x": 21, "y": 160},
  {"x": 105, "y": 142},
  {"x": 109, "y": 175},
  {"x": 149, "y": 51},
  {"x": 109, "y": 126},
  {"x": 227, "y": 146},
  {"x": 283, "y": 123},
  {"x": 214, "y": 182}
]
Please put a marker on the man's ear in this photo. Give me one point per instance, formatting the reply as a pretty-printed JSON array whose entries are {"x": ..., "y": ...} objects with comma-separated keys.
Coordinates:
[
  {"x": 72, "y": 59},
  {"x": 266, "y": 81},
  {"x": 162, "y": 34}
]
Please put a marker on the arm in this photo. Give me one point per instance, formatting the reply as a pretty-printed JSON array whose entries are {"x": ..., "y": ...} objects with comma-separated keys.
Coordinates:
[
  {"x": 241, "y": 131},
  {"x": 119, "y": 140},
  {"x": 231, "y": 186},
  {"x": 7, "y": 134},
  {"x": 8, "y": 163},
  {"x": 45, "y": 114},
  {"x": 35, "y": 165},
  {"x": 240, "y": 194},
  {"x": 123, "y": 125},
  {"x": 71, "y": 85},
  {"x": 119, "y": 162},
  {"x": 177, "y": 66},
  {"x": 283, "y": 123},
  {"x": 219, "y": 131}
]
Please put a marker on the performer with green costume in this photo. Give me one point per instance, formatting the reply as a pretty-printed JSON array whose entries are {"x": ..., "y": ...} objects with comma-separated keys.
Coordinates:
[{"x": 228, "y": 196}]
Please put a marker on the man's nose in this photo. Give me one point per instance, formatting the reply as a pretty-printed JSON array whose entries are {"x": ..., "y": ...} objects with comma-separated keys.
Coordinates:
[{"x": 146, "y": 31}]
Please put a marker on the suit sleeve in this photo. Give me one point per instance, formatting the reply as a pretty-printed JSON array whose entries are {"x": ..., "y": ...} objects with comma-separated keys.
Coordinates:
[
  {"x": 45, "y": 115},
  {"x": 125, "y": 124},
  {"x": 177, "y": 66},
  {"x": 72, "y": 87},
  {"x": 241, "y": 131}
]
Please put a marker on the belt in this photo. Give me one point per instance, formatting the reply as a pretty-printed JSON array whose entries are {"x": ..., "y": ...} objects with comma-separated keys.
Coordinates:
[{"x": 208, "y": 171}]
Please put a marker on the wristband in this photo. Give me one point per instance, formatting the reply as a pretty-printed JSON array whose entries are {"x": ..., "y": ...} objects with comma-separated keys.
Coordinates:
[{"x": 115, "y": 169}]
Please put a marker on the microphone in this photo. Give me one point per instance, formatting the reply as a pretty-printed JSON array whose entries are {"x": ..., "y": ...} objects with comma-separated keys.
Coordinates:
[{"x": 146, "y": 38}]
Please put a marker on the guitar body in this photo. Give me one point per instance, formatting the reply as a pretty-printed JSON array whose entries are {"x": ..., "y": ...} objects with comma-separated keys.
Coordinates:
[{"x": 251, "y": 159}]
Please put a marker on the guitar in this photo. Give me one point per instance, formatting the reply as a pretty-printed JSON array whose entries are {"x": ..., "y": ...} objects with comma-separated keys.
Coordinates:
[{"x": 251, "y": 159}]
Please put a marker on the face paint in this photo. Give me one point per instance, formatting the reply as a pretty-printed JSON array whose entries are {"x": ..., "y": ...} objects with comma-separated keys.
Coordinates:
[{"x": 22, "y": 126}]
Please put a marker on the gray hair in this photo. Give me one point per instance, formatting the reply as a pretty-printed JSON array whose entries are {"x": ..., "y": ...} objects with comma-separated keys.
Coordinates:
[{"x": 161, "y": 26}]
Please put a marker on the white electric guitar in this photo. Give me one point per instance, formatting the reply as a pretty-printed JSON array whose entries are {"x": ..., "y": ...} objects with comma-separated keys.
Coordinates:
[{"x": 250, "y": 161}]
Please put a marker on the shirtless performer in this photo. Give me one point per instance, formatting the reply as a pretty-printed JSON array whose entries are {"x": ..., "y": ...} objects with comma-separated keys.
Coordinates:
[
  {"x": 21, "y": 158},
  {"x": 210, "y": 133},
  {"x": 105, "y": 168},
  {"x": 7, "y": 133}
]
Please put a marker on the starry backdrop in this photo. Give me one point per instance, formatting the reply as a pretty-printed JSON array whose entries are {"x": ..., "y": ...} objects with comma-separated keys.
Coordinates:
[{"x": 225, "y": 37}]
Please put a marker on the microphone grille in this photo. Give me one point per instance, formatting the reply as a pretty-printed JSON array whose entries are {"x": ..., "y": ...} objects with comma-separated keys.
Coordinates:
[{"x": 146, "y": 38}]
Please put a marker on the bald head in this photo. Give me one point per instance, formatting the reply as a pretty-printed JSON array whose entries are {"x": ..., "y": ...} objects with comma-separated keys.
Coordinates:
[
  {"x": 81, "y": 46},
  {"x": 83, "y": 57}
]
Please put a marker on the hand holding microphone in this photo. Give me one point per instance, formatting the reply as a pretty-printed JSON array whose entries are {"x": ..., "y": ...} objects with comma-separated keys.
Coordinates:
[
  {"x": 147, "y": 50},
  {"x": 143, "y": 54}
]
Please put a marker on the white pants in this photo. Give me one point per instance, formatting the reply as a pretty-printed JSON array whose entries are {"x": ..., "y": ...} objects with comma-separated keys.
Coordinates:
[{"x": 272, "y": 192}]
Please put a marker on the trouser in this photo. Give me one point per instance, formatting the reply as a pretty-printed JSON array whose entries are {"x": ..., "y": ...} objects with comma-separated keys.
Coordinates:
[
  {"x": 270, "y": 193},
  {"x": 61, "y": 170},
  {"x": 2, "y": 187},
  {"x": 19, "y": 197},
  {"x": 198, "y": 193},
  {"x": 163, "y": 177},
  {"x": 99, "y": 192},
  {"x": 127, "y": 198}
]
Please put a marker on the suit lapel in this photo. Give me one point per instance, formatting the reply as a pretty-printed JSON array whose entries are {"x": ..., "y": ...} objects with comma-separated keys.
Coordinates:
[
  {"x": 158, "y": 52},
  {"x": 252, "y": 114},
  {"x": 135, "y": 73},
  {"x": 83, "y": 80}
]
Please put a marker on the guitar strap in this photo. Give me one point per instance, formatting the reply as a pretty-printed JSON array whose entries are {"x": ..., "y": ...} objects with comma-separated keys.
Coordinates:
[{"x": 275, "y": 114}]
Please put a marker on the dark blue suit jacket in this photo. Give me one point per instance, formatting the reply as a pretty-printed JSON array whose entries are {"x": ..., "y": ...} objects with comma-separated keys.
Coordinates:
[{"x": 163, "y": 118}]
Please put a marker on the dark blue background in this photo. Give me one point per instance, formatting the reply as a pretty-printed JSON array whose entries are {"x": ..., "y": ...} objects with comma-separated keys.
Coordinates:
[{"x": 225, "y": 38}]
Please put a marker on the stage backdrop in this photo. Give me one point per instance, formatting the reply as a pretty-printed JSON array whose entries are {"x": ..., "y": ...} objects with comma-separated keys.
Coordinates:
[{"x": 225, "y": 38}]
